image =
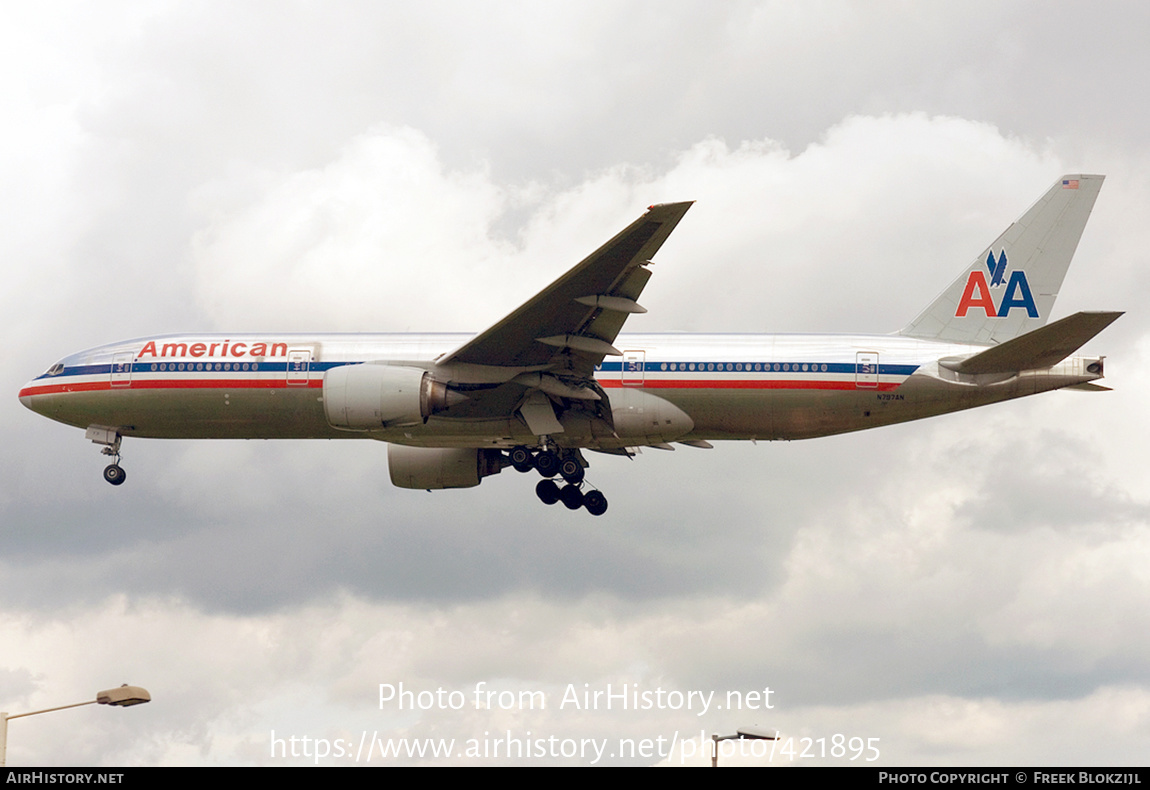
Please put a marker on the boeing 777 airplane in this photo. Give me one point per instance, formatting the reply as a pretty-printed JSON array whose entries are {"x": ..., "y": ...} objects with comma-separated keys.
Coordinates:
[{"x": 555, "y": 378}]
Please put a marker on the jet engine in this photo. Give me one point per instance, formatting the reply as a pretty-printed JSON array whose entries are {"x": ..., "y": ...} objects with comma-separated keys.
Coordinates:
[
  {"x": 440, "y": 467},
  {"x": 365, "y": 397}
]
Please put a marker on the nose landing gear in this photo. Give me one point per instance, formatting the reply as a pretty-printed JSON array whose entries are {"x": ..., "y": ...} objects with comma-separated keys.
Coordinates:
[{"x": 110, "y": 438}]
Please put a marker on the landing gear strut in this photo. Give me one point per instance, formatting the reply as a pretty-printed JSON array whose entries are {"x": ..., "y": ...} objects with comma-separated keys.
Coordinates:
[
  {"x": 110, "y": 438},
  {"x": 567, "y": 465}
]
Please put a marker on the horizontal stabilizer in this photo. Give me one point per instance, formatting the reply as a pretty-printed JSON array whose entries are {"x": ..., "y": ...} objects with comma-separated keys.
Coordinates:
[{"x": 1039, "y": 349}]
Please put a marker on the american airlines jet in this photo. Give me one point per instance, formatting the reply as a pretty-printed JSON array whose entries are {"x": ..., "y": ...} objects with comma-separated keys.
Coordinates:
[{"x": 555, "y": 378}]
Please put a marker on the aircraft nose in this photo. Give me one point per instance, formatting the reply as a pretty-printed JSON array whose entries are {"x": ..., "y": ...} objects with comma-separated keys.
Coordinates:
[
  {"x": 31, "y": 394},
  {"x": 26, "y": 395}
]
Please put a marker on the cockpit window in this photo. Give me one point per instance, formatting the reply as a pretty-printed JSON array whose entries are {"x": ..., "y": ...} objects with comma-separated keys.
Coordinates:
[{"x": 55, "y": 370}]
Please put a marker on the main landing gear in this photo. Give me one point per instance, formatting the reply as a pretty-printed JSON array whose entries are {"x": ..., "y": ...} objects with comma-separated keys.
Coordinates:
[
  {"x": 566, "y": 465},
  {"x": 110, "y": 438}
]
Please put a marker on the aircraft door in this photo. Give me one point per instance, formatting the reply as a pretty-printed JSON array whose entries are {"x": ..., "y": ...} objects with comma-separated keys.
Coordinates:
[
  {"x": 298, "y": 367},
  {"x": 866, "y": 370},
  {"x": 122, "y": 370},
  {"x": 634, "y": 363}
]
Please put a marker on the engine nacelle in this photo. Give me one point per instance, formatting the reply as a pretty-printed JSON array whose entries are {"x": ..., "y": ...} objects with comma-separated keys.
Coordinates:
[
  {"x": 365, "y": 397},
  {"x": 440, "y": 467}
]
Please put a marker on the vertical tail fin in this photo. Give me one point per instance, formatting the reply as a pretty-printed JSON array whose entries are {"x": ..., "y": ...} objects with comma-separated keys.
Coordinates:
[{"x": 1011, "y": 286}]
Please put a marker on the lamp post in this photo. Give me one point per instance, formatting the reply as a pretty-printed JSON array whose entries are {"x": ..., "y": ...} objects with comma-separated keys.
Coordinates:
[
  {"x": 122, "y": 697},
  {"x": 743, "y": 734}
]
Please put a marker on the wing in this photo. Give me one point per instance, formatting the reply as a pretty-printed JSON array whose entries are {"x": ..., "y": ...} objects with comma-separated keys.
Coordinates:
[{"x": 571, "y": 324}]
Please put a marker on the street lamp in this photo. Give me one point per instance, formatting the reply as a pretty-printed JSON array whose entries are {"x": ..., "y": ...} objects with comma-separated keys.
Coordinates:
[
  {"x": 122, "y": 697},
  {"x": 743, "y": 734}
]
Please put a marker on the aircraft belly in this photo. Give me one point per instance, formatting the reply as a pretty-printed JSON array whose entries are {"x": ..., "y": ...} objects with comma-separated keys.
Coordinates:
[
  {"x": 727, "y": 414},
  {"x": 786, "y": 414},
  {"x": 269, "y": 413}
]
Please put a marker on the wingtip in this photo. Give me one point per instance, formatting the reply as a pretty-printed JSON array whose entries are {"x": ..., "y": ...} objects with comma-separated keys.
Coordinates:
[{"x": 684, "y": 205}]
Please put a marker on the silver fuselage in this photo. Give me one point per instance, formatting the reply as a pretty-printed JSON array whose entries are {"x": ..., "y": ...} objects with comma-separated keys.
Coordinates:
[{"x": 733, "y": 386}]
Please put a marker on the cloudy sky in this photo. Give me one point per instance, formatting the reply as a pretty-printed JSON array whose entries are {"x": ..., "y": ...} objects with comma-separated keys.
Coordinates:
[{"x": 971, "y": 589}]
